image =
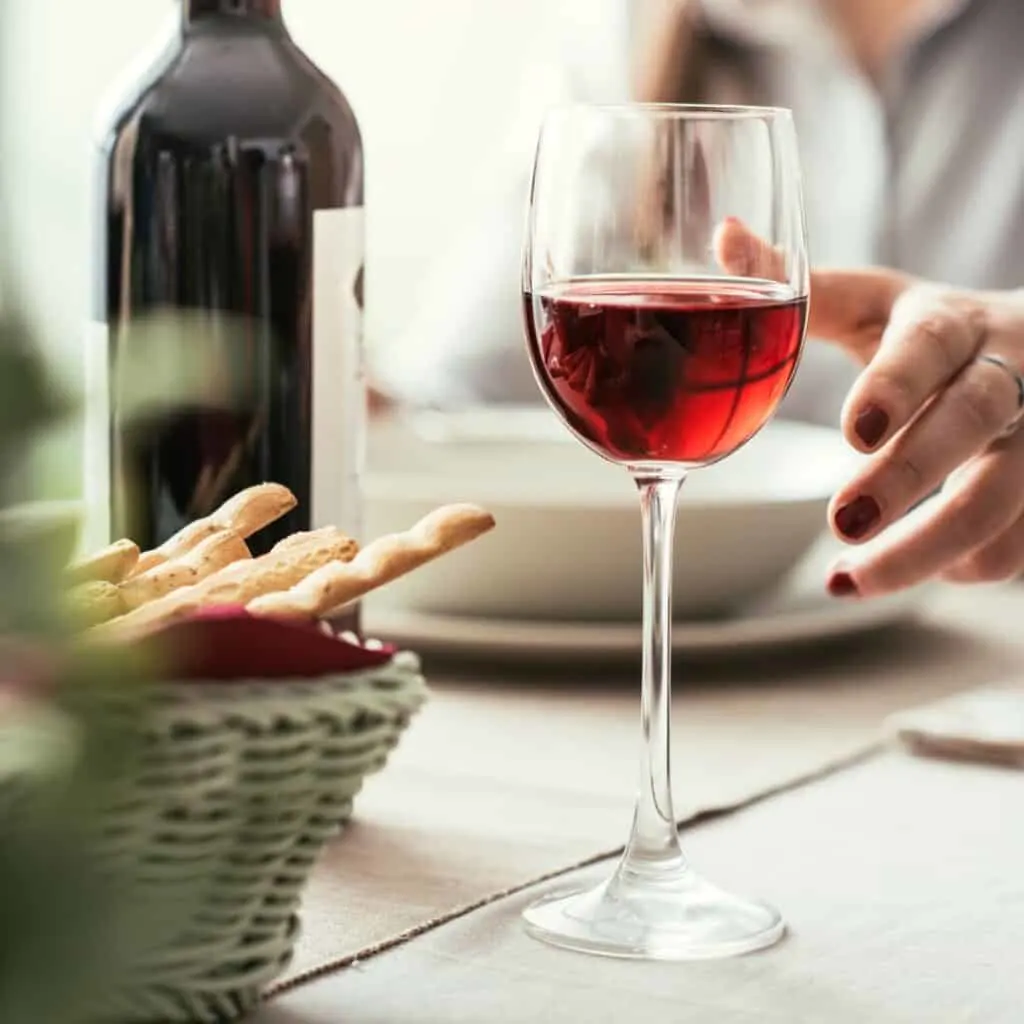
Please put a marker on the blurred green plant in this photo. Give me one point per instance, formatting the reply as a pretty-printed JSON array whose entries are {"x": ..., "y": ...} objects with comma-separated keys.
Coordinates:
[
  {"x": 33, "y": 547},
  {"x": 68, "y": 728}
]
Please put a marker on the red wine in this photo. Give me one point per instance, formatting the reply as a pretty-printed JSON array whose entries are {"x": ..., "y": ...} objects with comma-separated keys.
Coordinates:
[
  {"x": 231, "y": 256},
  {"x": 649, "y": 370}
]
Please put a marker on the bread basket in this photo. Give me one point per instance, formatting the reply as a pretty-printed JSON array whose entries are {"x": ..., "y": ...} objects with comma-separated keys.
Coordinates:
[
  {"x": 238, "y": 783},
  {"x": 256, "y": 738},
  {"x": 242, "y": 783}
]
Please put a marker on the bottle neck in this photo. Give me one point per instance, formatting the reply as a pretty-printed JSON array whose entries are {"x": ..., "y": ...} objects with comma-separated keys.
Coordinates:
[{"x": 267, "y": 10}]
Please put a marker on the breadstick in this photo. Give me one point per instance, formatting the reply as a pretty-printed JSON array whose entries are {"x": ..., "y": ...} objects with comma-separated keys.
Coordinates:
[
  {"x": 244, "y": 514},
  {"x": 255, "y": 507},
  {"x": 95, "y": 602},
  {"x": 213, "y": 554},
  {"x": 175, "y": 547},
  {"x": 238, "y": 583},
  {"x": 295, "y": 540},
  {"x": 110, "y": 565},
  {"x": 380, "y": 562}
]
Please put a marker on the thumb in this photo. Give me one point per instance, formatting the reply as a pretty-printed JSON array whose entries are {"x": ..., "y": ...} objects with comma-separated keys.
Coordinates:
[{"x": 849, "y": 307}]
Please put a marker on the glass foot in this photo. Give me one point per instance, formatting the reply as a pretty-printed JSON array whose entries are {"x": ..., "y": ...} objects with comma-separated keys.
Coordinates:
[{"x": 676, "y": 917}]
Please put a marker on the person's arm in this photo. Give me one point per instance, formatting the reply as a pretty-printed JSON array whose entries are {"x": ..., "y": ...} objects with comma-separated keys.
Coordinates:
[{"x": 664, "y": 52}]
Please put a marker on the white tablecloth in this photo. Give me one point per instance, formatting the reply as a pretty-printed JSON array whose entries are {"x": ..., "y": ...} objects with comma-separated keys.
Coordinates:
[
  {"x": 502, "y": 781},
  {"x": 902, "y": 881}
]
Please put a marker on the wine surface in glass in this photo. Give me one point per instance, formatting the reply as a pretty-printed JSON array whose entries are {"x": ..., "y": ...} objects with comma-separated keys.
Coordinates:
[{"x": 671, "y": 370}]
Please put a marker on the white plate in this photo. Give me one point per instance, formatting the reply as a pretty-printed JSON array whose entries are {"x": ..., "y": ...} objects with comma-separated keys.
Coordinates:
[
  {"x": 567, "y": 544},
  {"x": 792, "y": 618}
]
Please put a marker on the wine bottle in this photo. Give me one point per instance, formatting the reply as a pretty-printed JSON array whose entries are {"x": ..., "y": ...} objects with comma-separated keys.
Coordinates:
[{"x": 226, "y": 348}]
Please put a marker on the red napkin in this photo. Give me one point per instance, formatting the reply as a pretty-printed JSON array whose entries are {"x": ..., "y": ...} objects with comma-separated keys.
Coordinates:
[{"x": 227, "y": 643}]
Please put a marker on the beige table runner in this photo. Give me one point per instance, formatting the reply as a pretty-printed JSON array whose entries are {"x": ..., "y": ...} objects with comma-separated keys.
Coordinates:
[
  {"x": 900, "y": 880},
  {"x": 501, "y": 783}
]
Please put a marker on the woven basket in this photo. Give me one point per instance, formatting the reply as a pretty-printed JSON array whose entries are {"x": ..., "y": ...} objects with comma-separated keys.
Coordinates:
[{"x": 242, "y": 784}]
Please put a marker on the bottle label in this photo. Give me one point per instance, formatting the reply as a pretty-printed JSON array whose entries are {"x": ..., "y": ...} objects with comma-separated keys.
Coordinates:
[
  {"x": 96, "y": 437},
  {"x": 338, "y": 384}
]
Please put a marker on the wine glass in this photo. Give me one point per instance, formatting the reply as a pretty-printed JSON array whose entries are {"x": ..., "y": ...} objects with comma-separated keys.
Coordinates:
[{"x": 665, "y": 284}]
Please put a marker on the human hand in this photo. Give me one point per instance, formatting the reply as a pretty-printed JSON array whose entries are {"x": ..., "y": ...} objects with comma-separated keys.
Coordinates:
[{"x": 936, "y": 404}]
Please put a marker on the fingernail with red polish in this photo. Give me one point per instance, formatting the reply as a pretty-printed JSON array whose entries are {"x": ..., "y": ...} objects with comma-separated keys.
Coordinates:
[
  {"x": 841, "y": 584},
  {"x": 871, "y": 425},
  {"x": 857, "y": 518}
]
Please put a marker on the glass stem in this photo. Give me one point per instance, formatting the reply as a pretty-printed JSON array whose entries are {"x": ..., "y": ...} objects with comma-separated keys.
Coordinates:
[{"x": 654, "y": 842}]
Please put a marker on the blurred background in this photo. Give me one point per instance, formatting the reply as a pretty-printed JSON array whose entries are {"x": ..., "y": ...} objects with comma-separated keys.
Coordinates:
[{"x": 446, "y": 92}]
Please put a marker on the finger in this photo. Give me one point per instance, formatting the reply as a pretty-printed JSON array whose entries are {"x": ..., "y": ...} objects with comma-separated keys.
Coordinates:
[
  {"x": 957, "y": 425},
  {"x": 852, "y": 307},
  {"x": 980, "y": 503},
  {"x": 743, "y": 254},
  {"x": 931, "y": 336},
  {"x": 849, "y": 307},
  {"x": 999, "y": 559}
]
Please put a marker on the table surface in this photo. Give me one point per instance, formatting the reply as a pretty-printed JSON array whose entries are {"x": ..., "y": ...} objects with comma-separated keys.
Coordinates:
[{"x": 900, "y": 877}]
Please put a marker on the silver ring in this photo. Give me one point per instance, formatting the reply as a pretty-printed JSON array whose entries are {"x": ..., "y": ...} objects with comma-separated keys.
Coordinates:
[{"x": 1018, "y": 380}]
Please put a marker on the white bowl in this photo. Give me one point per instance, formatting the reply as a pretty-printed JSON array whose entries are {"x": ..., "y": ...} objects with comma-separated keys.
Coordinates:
[{"x": 567, "y": 544}]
